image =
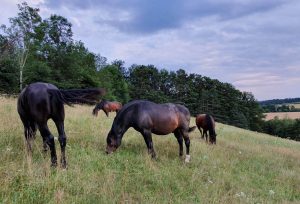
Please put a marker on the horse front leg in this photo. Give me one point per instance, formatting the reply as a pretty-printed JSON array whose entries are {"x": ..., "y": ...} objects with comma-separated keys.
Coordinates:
[
  {"x": 201, "y": 133},
  {"x": 62, "y": 141},
  {"x": 148, "y": 140},
  {"x": 105, "y": 111}
]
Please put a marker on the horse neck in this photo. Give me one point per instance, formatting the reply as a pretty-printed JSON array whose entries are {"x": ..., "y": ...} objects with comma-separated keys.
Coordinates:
[
  {"x": 100, "y": 105},
  {"x": 122, "y": 121}
]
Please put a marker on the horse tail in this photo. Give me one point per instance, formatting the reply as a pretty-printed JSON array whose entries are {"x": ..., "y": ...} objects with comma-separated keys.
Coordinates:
[
  {"x": 210, "y": 126},
  {"x": 191, "y": 129},
  {"x": 77, "y": 96}
]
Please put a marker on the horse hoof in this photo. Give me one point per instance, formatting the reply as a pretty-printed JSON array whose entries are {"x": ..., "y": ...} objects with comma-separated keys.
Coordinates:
[
  {"x": 187, "y": 158},
  {"x": 53, "y": 165},
  {"x": 64, "y": 166}
]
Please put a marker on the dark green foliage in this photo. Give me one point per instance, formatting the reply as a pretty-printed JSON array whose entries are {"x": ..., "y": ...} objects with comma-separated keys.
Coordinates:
[
  {"x": 279, "y": 101},
  {"x": 279, "y": 105},
  {"x": 279, "y": 108},
  {"x": 285, "y": 128},
  {"x": 43, "y": 50},
  {"x": 111, "y": 78},
  {"x": 200, "y": 94}
]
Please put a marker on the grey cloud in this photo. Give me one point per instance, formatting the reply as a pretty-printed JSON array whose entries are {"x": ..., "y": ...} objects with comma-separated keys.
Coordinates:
[{"x": 151, "y": 16}]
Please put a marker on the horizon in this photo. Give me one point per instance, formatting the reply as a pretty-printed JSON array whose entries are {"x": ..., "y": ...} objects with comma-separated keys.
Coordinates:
[{"x": 252, "y": 45}]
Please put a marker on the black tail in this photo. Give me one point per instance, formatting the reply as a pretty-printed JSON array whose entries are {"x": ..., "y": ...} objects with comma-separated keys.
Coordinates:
[{"x": 78, "y": 96}]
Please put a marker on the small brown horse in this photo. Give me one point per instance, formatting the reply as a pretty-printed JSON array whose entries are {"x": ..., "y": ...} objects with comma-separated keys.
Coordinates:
[
  {"x": 207, "y": 123},
  {"x": 107, "y": 106}
]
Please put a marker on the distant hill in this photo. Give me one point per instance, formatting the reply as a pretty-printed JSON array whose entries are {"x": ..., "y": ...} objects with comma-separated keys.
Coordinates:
[{"x": 279, "y": 101}]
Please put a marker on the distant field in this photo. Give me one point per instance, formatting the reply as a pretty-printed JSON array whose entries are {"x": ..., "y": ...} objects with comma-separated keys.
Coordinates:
[
  {"x": 244, "y": 166},
  {"x": 282, "y": 115},
  {"x": 296, "y": 105}
]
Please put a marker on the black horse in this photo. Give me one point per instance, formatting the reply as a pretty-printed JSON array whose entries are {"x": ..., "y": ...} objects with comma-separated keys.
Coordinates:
[
  {"x": 147, "y": 117},
  {"x": 39, "y": 102}
]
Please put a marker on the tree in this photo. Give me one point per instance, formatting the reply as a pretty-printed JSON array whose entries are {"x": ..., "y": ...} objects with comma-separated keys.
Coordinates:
[
  {"x": 21, "y": 34},
  {"x": 111, "y": 78}
]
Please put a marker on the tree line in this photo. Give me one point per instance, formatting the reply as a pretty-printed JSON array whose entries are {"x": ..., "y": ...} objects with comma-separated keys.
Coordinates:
[{"x": 35, "y": 49}]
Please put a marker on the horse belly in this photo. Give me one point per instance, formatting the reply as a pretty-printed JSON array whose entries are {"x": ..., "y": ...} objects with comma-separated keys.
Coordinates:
[{"x": 164, "y": 127}]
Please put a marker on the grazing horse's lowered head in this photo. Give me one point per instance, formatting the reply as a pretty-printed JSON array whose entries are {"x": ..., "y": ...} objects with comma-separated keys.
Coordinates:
[
  {"x": 107, "y": 106},
  {"x": 147, "y": 117},
  {"x": 207, "y": 123}
]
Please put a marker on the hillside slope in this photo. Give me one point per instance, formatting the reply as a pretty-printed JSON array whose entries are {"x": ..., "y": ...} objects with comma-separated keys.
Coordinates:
[{"x": 244, "y": 166}]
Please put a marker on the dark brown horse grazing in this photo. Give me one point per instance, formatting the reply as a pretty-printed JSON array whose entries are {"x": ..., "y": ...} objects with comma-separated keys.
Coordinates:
[
  {"x": 107, "y": 106},
  {"x": 207, "y": 123},
  {"x": 147, "y": 117},
  {"x": 39, "y": 102}
]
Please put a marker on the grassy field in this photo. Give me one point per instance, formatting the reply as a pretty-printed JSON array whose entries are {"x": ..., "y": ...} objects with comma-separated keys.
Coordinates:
[{"x": 244, "y": 166}]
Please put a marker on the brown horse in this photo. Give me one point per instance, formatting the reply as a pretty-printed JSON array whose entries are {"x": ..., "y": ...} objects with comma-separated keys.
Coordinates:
[
  {"x": 147, "y": 117},
  {"x": 207, "y": 123},
  {"x": 107, "y": 106}
]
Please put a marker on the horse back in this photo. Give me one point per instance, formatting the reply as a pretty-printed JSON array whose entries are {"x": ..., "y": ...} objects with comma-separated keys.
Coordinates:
[
  {"x": 164, "y": 118},
  {"x": 113, "y": 106},
  {"x": 35, "y": 102}
]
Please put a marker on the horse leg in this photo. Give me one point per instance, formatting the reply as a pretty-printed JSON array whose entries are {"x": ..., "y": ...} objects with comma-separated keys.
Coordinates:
[
  {"x": 46, "y": 134},
  {"x": 148, "y": 140},
  {"x": 187, "y": 145},
  {"x": 105, "y": 111},
  {"x": 62, "y": 141},
  {"x": 206, "y": 136},
  {"x": 201, "y": 132},
  {"x": 180, "y": 141}
]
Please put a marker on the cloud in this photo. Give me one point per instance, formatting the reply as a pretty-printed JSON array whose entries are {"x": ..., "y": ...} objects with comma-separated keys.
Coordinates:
[
  {"x": 151, "y": 16},
  {"x": 253, "y": 44}
]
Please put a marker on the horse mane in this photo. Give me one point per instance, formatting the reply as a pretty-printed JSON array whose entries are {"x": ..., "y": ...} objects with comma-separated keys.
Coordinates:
[
  {"x": 126, "y": 106},
  {"x": 78, "y": 96}
]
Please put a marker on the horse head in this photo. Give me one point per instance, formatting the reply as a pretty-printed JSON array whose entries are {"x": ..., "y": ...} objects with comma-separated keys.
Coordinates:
[
  {"x": 98, "y": 107},
  {"x": 113, "y": 142}
]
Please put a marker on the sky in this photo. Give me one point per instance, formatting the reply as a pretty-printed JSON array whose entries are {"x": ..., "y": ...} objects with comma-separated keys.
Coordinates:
[{"x": 252, "y": 44}]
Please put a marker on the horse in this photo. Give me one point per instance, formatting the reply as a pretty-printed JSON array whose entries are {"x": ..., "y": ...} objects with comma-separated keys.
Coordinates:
[
  {"x": 207, "y": 123},
  {"x": 107, "y": 106},
  {"x": 38, "y": 102},
  {"x": 148, "y": 117}
]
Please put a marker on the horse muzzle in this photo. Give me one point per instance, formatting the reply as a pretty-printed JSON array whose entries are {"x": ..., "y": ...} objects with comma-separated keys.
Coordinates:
[{"x": 110, "y": 149}]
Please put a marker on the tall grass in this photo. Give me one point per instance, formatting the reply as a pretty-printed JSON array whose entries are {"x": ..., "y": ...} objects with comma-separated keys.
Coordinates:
[{"x": 244, "y": 166}]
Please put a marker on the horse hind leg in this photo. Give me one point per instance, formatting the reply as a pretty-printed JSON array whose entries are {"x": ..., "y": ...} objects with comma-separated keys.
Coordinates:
[
  {"x": 180, "y": 141},
  {"x": 49, "y": 140},
  {"x": 62, "y": 141},
  {"x": 187, "y": 145}
]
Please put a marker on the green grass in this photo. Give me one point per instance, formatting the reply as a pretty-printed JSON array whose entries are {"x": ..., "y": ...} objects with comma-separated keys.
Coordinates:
[{"x": 244, "y": 166}]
